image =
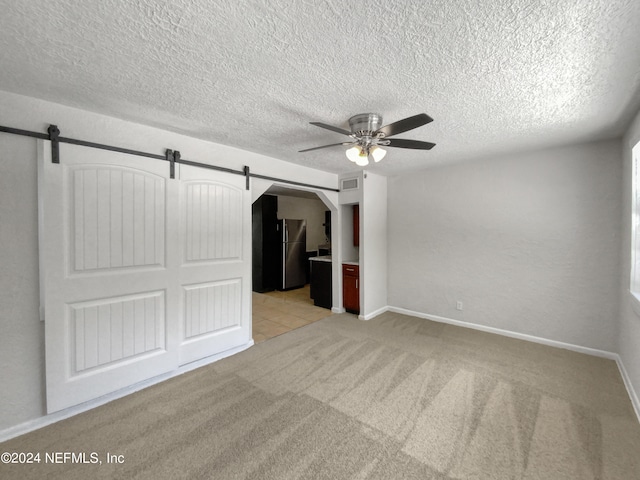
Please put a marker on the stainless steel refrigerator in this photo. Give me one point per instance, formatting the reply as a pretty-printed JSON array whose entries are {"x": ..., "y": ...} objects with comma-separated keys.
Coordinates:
[{"x": 293, "y": 239}]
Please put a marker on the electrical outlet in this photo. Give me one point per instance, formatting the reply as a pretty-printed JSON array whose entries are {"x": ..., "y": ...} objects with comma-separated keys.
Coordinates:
[{"x": 459, "y": 305}]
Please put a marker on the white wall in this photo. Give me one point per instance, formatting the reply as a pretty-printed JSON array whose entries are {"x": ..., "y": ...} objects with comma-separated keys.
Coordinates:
[
  {"x": 529, "y": 243},
  {"x": 348, "y": 198},
  {"x": 350, "y": 252},
  {"x": 373, "y": 245},
  {"x": 309, "y": 209},
  {"x": 629, "y": 336},
  {"x": 371, "y": 254},
  {"x": 21, "y": 341}
]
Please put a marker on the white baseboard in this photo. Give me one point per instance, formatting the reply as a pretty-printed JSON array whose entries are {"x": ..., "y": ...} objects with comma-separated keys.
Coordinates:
[
  {"x": 508, "y": 333},
  {"x": 373, "y": 314},
  {"x": 627, "y": 383},
  {"x": 45, "y": 420},
  {"x": 544, "y": 341}
]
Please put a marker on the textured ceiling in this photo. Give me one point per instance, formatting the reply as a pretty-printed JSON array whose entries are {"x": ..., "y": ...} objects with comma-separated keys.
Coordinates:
[{"x": 496, "y": 76}]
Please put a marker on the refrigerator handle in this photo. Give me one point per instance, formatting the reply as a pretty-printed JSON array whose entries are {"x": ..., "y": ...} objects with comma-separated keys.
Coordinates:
[{"x": 284, "y": 266}]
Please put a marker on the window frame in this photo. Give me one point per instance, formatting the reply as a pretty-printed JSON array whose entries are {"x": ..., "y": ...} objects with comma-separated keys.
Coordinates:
[{"x": 634, "y": 275}]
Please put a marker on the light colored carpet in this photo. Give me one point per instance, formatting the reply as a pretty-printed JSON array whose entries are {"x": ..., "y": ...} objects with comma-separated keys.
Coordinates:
[{"x": 392, "y": 398}]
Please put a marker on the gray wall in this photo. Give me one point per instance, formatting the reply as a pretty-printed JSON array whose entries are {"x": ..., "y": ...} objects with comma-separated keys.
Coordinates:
[
  {"x": 529, "y": 243},
  {"x": 22, "y": 337},
  {"x": 629, "y": 339}
]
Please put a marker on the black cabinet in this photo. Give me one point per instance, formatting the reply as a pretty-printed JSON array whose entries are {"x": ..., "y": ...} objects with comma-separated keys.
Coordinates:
[
  {"x": 265, "y": 247},
  {"x": 307, "y": 269},
  {"x": 320, "y": 288},
  {"x": 327, "y": 225}
]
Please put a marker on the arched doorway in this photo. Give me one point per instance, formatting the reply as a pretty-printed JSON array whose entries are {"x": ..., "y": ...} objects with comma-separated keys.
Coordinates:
[{"x": 278, "y": 308}]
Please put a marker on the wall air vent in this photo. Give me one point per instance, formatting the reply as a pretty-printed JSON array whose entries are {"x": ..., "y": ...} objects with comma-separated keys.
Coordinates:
[{"x": 349, "y": 184}]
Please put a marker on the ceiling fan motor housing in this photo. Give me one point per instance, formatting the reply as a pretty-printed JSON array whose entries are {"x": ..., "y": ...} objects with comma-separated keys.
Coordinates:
[{"x": 365, "y": 123}]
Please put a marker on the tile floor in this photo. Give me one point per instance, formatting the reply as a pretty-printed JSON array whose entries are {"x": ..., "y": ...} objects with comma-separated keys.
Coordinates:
[{"x": 275, "y": 313}]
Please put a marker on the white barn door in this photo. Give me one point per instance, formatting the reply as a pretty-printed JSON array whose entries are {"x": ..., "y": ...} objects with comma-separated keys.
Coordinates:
[
  {"x": 140, "y": 273},
  {"x": 107, "y": 270},
  {"x": 215, "y": 262}
]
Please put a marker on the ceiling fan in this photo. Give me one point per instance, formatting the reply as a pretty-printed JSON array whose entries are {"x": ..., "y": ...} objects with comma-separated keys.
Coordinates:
[{"x": 367, "y": 136}]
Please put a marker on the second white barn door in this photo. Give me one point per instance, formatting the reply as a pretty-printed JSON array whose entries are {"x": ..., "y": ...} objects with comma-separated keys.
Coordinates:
[{"x": 215, "y": 262}]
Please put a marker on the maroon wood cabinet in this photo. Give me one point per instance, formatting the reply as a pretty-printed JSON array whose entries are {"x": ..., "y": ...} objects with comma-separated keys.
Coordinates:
[{"x": 351, "y": 288}]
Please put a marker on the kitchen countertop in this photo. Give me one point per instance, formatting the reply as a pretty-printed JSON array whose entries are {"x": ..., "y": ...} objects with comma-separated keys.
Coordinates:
[
  {"x": 322, "y": 258},
  {"x": 327, "y": 258}
]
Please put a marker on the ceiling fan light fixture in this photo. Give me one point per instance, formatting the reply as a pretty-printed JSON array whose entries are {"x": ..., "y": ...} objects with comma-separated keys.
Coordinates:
[
  {"x": 367, "y": 136},
  {"x": 354, "y": 153},
  {"x": 363, "y": 159},
  {"x": 377, "y": 153}
]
